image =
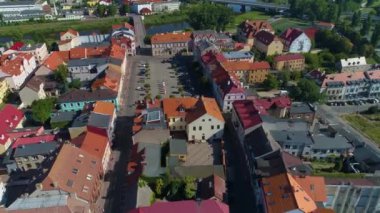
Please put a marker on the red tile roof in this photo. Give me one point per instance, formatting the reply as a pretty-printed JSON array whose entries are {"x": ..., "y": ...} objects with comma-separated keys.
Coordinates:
[
  {"x": 247, "y": 113},
  {"x": 250, "y": 28},
  {"x": 124, "y": 25},
  {"x": 289, "y": 57},
  {"x": 145, "y": 10},
  {"x": 314, "y": 186},
  {"x": 32, "y": 140},
  {"x": 186, "y": 206},
  {"x": 265, "y": 104},
  {"x": 94, "y": 144},
  {"x": 290, "y": 34},
  {"x": 171, "y": 37},
  {"x": 75, "y": 171},
  {"x": 105, "y": 108},
  {"x": 311, "y": 32},
  {"x": 10, "y": 118},
  {"x": 232, "y": 66},
  {"x": 53, "y": 61},
  {"x": 17, "y": 45}
]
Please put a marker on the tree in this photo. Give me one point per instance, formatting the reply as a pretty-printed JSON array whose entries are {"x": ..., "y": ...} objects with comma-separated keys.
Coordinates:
[
  {"x": 284, "y": 76},
  {"x": 125, "y": 9},
  {"x": 306, "y": 90},
  {"x": 112, "y": 10},
  {"x": 158, "y": 186},
  {"x": 190, "y": 187},
  {"x": 366, "y": 26},
  {"x": 356, "y": 18},
  {"x": 75, "y": 84},
  {"x": 206, "y": 15},
  {"x": 61, "y": 74},
  {"x": 101, "y": 10},
  {"x": 375, "y": 35},
  {"x": 270, "y": 82},
  {"x": 174, "y": 190},
  {"x": 312, "y": 60},
  {"x": 41, "y": 109}
]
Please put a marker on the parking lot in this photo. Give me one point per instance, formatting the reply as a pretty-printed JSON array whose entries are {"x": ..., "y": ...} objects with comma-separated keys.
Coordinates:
[
  {"x": 164, "y": 77},
  {"x": 353, "y": 106}
]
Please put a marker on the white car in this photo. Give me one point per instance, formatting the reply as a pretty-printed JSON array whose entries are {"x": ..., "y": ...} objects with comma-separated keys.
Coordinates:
[{"x": 139, "y": 89}]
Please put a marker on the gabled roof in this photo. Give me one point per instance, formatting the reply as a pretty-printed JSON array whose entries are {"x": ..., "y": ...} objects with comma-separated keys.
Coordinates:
[
  {"x": 291, "y": 34},
  {"x": 71, "y": 31},
  {"x": 33, "y": 140},
  {"x": 251, "y": 27},
  {"x": 314, "y": 186},
  {"x": 17, "y": 45},
  {"x": 204, "y": 106},
  {"x": 10, "y": 118},
  {"x": 210, "y": 187},
  {"x": 74, "y": 171},
  {"x": 265, "y": 104},
  {"x": 282, "y": 193},
  {"x": 36, "y": 149},
  {"x": 173, "y": 106},
  {"x": 265, "y": 37},
  {"x": 53, "y": 61}
]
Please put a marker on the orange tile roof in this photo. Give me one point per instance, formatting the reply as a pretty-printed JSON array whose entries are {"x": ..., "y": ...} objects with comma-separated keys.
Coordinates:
[
  {"x": 105, "y": 82},
  {"x": 124, "y": 25},
  {"x": 282, "y": 193},
  {"x": 74, "y": 171},
  {"x": 314, "y": 186},
  {"x": 171, "y": 37},
  {"x": 94, "y": 144},
  {"x": 12, "y": 65},
  {"x": 65, "y": 55},
  {"x": 233, "y": 66},
  {"x": 117, "y": 52},
  {"x": 71, "y": 31},
  {"x": 105, "y": 108},
  {"x": 171, "y": 106},
  {"x": 204, "y": 106},
  {"x": 64, "y": 41},
  {"x": 53, "y": 61}
]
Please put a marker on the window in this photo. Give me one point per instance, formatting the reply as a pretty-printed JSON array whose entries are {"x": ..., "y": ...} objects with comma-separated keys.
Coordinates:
[
  {"x": 200, "y": 127},
  {"x": 173, "y": 119},
  {"x": 93, "y": 162},
  {"x": 203, "y": 120},
  {"x": 218, "y": 126},
  {"x": 194, "y": 128},
  {"x": 75, "y": 171},
  {"x": 180, "y": 127},
  {"x": 69, "y": 183},
  {"x": 89, "y": 177},
  {"x": 181, "y": 119},
  {"x": 85, "y": 189},
  {"x": 203, "y": 137},
  {"x": 212, "y": 126},
  {"x": 173, "y": 128}
]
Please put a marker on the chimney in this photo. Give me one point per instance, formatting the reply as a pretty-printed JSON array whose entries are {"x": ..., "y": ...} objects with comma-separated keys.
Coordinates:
[
  {"x": 55, "y": 184},
  {"x": 2, "y": 137}
]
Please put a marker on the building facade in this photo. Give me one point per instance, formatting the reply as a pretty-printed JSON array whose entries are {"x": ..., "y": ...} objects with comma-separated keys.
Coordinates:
[
  {"x": 295, "y": 41},
  {"x": 170, "y": 43},
  {"x": 268, "y": 43},
  {"x": 291, "y": 62}
]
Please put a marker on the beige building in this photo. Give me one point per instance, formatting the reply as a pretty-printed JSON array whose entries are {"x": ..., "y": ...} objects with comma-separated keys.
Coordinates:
[
  {"x": 247, "y": 30},
  {"x": 291, "y": 62},
  {"x": 170, "y": 43},
  {"x": 200, "y": 118},
  {"x": 4, "y": 88},
  {"x": 268, "y": 43}
]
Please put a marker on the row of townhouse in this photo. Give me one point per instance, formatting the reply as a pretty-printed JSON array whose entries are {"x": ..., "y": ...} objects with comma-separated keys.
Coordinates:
[
  {"x": 272, "y": 171},
  {"x": 348, "y": 86},
  {"x": 72, "y": 171},
  {"x": 122, "y": 35},
  {"x": 147, "y": 7},
  {"x": 97, "y": 68}
]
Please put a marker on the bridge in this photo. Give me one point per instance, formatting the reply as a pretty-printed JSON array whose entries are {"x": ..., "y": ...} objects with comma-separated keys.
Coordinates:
[{"x": 254, "y": 3}]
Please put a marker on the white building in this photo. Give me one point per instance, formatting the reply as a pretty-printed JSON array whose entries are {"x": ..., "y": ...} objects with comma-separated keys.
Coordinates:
[
  {"x": 16, "y": 68},
  {"x": 168, "y": 6},
  {"x": 200, "y": 118},
  {"x": 295, "y": 41},
  {"x": 137, "y": 7},
  {"x": 12, "y": 6},
  {"x": 353, "y": 64}
]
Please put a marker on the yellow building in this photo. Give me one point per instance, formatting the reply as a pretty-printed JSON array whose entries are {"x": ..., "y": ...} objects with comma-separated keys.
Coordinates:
[
  {"x": 92, "y": 3},
  {"x": 4, "y": 88},
  {"x": 268, "y": 43}
]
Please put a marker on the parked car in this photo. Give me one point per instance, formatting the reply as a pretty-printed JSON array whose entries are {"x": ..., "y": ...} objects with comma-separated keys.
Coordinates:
[{"x": 139, "y": 89}]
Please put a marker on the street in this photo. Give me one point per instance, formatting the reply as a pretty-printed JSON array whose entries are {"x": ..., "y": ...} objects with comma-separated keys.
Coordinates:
[{"x": 333, "y": 117}]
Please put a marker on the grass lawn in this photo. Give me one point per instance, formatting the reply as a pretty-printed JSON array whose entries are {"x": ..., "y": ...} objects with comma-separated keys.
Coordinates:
[
  {"x": 317, "y": 165},
  {"x": 240, "y": 17},
  {"x": 370, "y": 128},
  {"x": 165, "y": 18},
  {"x": 284, "y": 23},
  {"x": 51, "y": 29},
  {"x": 339, "y": 175}
]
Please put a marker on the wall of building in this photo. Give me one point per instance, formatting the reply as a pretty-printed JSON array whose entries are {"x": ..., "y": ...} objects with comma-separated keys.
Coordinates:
[
  {"x": 205, "y": 128},
  {"x": 258, "y": 76}
]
